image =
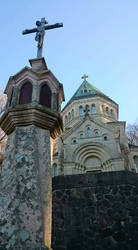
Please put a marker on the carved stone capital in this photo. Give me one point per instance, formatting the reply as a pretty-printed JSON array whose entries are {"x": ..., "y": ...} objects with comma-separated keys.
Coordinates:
[{"x": 32, "y": 114}]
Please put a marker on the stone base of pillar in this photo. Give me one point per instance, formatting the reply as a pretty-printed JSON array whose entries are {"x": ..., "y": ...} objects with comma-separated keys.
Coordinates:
[{"x": 25, "y": 190}]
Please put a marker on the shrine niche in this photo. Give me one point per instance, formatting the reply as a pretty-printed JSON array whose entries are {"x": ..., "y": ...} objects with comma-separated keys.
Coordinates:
[
  {"x": 26, "y": 93},
  {"x": 45, "y": 96}
]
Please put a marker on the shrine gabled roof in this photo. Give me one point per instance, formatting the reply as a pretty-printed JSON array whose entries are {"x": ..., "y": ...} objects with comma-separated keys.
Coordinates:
[
  {"x": 13, "y": 78},
  {"x": 87, "y": 90}
]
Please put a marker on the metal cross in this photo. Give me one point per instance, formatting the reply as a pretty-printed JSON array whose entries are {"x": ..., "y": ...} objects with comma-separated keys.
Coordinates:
[
  {"x": 40, "y": 33},
  {"x": 84, "y": 77}
]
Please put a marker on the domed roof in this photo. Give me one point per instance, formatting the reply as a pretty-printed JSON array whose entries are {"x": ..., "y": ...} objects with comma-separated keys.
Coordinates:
[{"x": 87, "y": 90}]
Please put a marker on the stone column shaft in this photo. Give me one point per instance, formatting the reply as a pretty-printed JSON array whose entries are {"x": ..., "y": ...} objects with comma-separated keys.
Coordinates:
[{"x": 26, "y": 188}]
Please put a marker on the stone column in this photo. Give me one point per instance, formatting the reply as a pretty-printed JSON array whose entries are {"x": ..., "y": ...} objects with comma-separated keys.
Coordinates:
[{"x": 26, "y": 192}]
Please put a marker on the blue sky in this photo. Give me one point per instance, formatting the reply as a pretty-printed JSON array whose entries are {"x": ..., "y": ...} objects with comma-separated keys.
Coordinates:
[{"x": 99, "y": 38}]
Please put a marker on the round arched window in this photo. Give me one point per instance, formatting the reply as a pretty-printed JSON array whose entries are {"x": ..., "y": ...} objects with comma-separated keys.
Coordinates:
[
  {"x": 96, "y": 133},
  {"x": 81, "y": 135},
  {"x": 105, "y": 138},
  {"x": 74, "y": 141},
  {"x": 88, "y": 132},
  {"x": 66, "y": 119},
  {"x": 81, "y": 111},
  {"x": 93, "y": 110},
  {"x": 72, "y": 114},
  {"x": 107, "y": 110},
  {"x": 69, "y": 116}
]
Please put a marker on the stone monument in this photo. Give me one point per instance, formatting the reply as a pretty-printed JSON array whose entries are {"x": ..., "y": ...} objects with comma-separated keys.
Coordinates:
[{"x": 31, "y": 117}]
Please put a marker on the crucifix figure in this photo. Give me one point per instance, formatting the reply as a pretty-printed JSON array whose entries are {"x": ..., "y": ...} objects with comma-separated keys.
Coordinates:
[
  {"x": 84, "y": 77},
  {"x": 40, "y": 33}
]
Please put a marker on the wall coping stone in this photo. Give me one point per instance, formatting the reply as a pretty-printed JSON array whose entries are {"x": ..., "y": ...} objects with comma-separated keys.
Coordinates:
[{"x": 95, "y": 179}]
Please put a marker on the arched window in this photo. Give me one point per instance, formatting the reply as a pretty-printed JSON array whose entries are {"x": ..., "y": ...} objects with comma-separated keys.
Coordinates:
[
  {"x": 88, "y": 132},
  {"x": 81, "y": 135},
  {"x": 72, "y": 114},
  {"x": 81, "y": 111},
  {"x": 96, "y": 133},
  {"x": 26, "y": 93},
  {"x": 69, "y": 117},
  {"x": 107, "y": 110},
  {"x": 74, "y": 141},
  {"x": 93, "y": 109},
  {"x": 45, "y": 96},
  {"x": 66, "y": 119},
  {"x": 105, "y": 138},
  {"x": 87, "y": 109}
]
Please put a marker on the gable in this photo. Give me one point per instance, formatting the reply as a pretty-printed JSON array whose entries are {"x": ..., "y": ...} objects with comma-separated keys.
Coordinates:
[
  {"x": 25, "y": 74},
  {"x": 89, "y": 128}
]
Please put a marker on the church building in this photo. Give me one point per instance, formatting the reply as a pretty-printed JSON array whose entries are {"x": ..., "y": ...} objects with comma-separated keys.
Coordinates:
[
  {"x": 93, "y": 210},
  {"x": 93, "y": 140}
]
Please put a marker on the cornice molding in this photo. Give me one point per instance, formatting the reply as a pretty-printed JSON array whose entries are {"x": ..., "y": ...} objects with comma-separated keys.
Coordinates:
[{"x": 32, "y": 114}]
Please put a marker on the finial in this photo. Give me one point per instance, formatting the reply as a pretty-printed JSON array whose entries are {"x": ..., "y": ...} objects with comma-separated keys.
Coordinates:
[{"x": 84, "y": 77}]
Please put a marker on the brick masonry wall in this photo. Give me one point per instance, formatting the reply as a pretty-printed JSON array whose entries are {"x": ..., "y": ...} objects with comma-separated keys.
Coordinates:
[{"x": 95, "y": 211}]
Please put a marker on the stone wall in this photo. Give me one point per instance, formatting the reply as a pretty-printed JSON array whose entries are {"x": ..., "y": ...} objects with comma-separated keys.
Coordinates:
[{"x": 95, "y": 211}]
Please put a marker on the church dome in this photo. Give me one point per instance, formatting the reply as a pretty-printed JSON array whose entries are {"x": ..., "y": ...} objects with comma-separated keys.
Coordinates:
[
  {"x": 89, "y": 100},
  {"x": 87, "y": 90}
]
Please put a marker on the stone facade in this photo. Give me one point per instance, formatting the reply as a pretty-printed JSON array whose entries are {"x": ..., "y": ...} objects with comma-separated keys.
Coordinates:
[
  {"x": 95, "y": 211},
  {"x": 94, "y": 139}
]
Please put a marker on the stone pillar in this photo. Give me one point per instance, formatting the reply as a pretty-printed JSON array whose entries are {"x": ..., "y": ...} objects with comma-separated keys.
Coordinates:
[
  {"x": 25, "y": 186},
  {"x": 26, "y": 192}
]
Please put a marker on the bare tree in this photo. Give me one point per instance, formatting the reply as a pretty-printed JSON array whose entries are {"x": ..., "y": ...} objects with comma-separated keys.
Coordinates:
[
  {"x": 3, "y": 136},
  {"x": 132, "y": 133},
  {"x": 3, "y": 100}
]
